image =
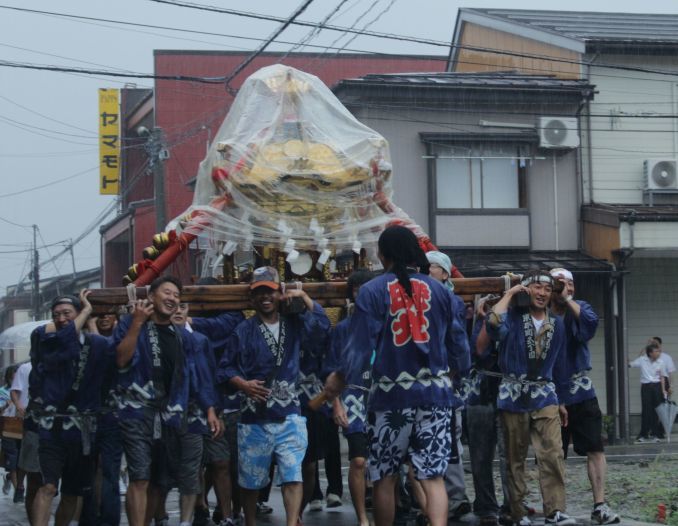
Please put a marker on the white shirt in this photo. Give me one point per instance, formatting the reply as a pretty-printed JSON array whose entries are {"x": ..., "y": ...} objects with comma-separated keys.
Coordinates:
[
  {"x": 275, "y": 329},
  {"x": 20, "y": 382},
  {"x": 668, "y": 362},
  {"x": 538, "y": 323},
  {"x": 650, "y": 372},
  {"x": 10, "y": 410}
]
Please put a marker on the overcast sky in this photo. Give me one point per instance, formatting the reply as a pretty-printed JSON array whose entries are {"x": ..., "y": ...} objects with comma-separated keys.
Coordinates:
[{"x": 48, "y": 121}]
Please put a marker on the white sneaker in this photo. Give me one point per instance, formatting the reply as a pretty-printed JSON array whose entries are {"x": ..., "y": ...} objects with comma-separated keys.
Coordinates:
[
  {"x": 315, "y": 505},
  {"x": 122, "y": 486},
  {"x": 642, "y": 440},
  {"x": 560, "y": 519},
  {"x": 333, "y": 501},
  {"x": 525, "y": 521},
  {"x": 602, "y": 514}
]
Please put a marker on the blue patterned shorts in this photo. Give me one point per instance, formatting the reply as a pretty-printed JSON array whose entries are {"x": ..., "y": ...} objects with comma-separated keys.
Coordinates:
[
  {"x": 257, "y": 443},
  {"x": 420, "y": 434}
]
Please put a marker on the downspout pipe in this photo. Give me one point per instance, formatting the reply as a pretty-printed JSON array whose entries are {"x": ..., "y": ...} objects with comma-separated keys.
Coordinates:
[{"x": 589, "y": 142}]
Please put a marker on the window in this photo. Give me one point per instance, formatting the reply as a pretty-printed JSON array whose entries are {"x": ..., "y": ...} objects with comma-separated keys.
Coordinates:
[{"x": 478, "y": 176}]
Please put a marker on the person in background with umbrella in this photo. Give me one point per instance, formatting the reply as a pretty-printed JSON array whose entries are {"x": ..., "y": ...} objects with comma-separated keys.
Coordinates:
[
  {"x": 652, "y": 391},
  {"x": 668, "y": 361}
]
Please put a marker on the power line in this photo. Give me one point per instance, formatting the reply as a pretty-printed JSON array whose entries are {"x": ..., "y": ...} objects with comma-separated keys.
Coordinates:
[
  {"x": 315, "y": 31},
  {"x": 265, "y": 44},
  {"x": 86, "y": 19},
  {"x": 250, "y": 14},
  {"x": 47, "y": 250},
  {"x": 30, "y": 110},
  {"x": 90, "y": 136},
  {"x": 46, "y": 155},
  {"x": 406, "y": 38},
  {"x": 63, "y": 69},
  {"x": 58, "y": 56},
  {"x": 375, "y": 34},
  {"x": 52, "y": 183},
  {"x": 366, "y": 26},
  {"x": 14, "y": 224}
]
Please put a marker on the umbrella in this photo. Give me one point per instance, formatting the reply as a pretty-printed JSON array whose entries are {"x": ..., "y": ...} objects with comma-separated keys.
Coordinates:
[
  {"x": 18, "y": 337},
  {"x": 666, "y": 411}
]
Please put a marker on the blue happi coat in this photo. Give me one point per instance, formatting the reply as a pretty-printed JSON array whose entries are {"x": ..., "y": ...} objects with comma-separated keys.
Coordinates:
[
  {"x": 353, "y": 398},
  {"x": 67, "y": 377},
  {"x": 480, "y": 387},
  {"x": 136, "y": 392},
  {"x": 414, "y": 354},
  {"x": 312, "y": 356},
  {"x": 218, "y": 330},
  {"x": 517, "y": 393},
  {"x": 577, "y": 386},
  {"x": 248, "y": 356},
  {"x": 202, "y": 392}
]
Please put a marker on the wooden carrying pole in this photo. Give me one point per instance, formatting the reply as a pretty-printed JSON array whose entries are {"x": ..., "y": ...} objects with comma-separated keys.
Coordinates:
[{"x": 236, "y": 297}]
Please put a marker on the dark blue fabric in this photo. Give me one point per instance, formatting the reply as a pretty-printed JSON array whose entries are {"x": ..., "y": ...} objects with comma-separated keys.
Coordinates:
[
  {"x": 442, "y": 344},
  {"x": 577, "y": 355},
  {"x": 247, "y": 356},
  {"x": 354, "y": 399},
  {"x": 513, "y": 362},
  {"x": 135, "y": 381},
  {"x": 109, "y": 451},
  {"x": 202, "y": 393},
  {"x": 218, "y": 330},
  {"x": 479, "y": 388},
  {"x": 55, "y": 361}
]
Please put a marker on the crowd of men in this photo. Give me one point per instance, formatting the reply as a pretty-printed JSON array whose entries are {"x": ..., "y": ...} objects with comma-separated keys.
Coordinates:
[{"x": 218, "y": 401}]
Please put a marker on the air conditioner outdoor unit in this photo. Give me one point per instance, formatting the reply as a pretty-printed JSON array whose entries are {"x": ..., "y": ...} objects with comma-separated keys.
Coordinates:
[
  {"x": 661, "y": 174},
  {"x": 558, "y": 132}
]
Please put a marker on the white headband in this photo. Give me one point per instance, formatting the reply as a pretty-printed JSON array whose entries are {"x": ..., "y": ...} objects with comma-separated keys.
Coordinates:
[
  {"x": 539, "y": 278},
  {"x": 562, "y": 273}
]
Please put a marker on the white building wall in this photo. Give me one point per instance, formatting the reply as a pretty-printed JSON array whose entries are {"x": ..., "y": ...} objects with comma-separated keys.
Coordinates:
[
  {"x": 623, "y": 130},
  {"x": 650, "y": 234}
]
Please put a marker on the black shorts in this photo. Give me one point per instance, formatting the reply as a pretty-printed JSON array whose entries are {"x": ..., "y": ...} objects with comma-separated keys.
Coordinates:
[
  {"x": 137, "y": 441},
  {"x": 63, "y": 460},
  {"x": 315, "y": 450},
  {"x": 179, "y": 455},
  {"x": 10, "y": 450},
  {"x": 357, "y": 445},
  {"x": 215, "y": 450},
  {"x": 585, "y": 426},
  {"x": 174, "y": 460}
]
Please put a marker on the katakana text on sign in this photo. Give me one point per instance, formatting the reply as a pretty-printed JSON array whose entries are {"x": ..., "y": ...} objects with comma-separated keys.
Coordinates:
[{"x": 109, "y": 142}]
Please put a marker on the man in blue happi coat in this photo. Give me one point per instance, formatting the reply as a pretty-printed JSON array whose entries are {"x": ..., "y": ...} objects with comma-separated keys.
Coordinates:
[
  {"x": 458, "y": 502},
  {"x": 159, "y": 372},
  {"x": 531, "y": 353},
  {"x": 585, "y": 420},
  {"x": 262, "y": 361},
  {"x": 350, "y": 411},
  {"x": 69, "y": 367},
  {"x": 217, "y": 451},
  {"x": 410, "y": 320},
  {"x": 483, "y": 421}
]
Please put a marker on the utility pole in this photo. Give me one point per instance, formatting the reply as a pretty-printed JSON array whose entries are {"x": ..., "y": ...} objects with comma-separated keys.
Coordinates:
[
  {"x": 158, "y": 154},
  {"x": 36, "y": 276}
]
